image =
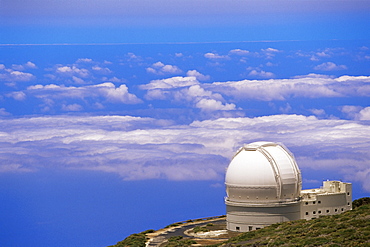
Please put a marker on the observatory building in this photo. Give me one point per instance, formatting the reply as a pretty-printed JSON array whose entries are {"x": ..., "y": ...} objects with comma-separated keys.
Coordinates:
[{"x": 263, "y": 187}]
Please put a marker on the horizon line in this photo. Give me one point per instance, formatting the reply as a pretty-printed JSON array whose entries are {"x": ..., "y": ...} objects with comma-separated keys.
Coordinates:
[{"x": 163, "y": 43}]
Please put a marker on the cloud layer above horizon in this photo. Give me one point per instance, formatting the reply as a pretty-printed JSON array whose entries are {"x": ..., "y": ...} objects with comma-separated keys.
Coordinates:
[
  {"x": 180, "y": 112},
  {"x": 140, "y": 148}
]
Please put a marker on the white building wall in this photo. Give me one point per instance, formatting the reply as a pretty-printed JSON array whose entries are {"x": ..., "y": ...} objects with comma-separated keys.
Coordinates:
[
  {"x": 333, "y": 198},
  {"x": 249, "y": 217}
]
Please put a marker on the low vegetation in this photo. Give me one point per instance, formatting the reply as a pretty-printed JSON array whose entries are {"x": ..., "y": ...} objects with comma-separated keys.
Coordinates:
[
  {"x": 178, "y": 241},
  {"x": 174, "y": 225},
  {"x": 200, "y": 229},
  {"x": 351, "y": 228},
  {"x": 134, "y": 240},
  {"x": 360, "y": 202}
]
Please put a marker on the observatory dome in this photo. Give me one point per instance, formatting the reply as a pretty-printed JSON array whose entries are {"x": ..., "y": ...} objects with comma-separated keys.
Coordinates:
[{"x": 263, "y": 172}]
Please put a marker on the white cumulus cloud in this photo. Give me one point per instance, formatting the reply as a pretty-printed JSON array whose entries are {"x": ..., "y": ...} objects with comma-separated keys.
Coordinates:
[
  {"x": 173, "y": 82},
  {"x": 310, "y": 86},
  {"x": 72, "y": 107},
  {"x": 214, "y": 105},
  {"x": 364, "y": 114},
  {"x": 107, "y": 90},
  {"x": 239, "y": 52},
  {"x": 330, "y": 66},
  {"x": 215, "y": 56},
  {"x": 17, "y": 95},
  {"x": 160, "y": 68},
  {"x": 261, "y": 74},
  {"x": 10, "y": 75},
  {"x": 186, "y": 89},
  {"x": 198, "y": 75}
]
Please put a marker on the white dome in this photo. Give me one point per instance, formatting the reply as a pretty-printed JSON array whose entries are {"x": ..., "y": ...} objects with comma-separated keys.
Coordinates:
[{"x": 263, "y": 172}]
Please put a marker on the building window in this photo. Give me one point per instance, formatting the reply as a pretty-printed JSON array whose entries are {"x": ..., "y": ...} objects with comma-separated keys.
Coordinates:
[
  {"x": 313, "y": 202},
  {"x": 336, "y": 210},
  {"x": 306, "y": 213},
  {"x": 250, "y": 228},
  {"x": 319, "y": 202},
  {"x": 237, "y": 228},
  {"x": 306, "y": 203},
  {"x": 347, "y": 193},
  {"x": 342, "y": 209},
  {"x": 327, "y": 211},
  {"x": 314, "y": 212},
  {"x": 348, "y": 203},
  {"x": 257, "y": 228},
  {"x": 319, "y": 212}
]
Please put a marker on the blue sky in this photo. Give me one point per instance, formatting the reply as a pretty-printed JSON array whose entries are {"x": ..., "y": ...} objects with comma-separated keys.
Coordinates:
[
  {"x": 116, "y": 21},
  {"x": 113, "y": 110}
]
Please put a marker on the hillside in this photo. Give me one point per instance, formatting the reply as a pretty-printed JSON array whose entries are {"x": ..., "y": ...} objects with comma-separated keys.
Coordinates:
[{"x": 351, "y": 228}]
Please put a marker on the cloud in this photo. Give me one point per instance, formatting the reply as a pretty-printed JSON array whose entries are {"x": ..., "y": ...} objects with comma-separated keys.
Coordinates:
[
  {"x": 329, "y": 66},
  {"x": 84, "y": 60},
  {"x": 70, "y": 71},
  {"x": 72, "y": 107},
  {"x": 239, "y": 52},
  {"x": 6, "y": 168},
  {"x": 322, "y": 54},
  {"x": 310, "y": 86},
  {"x": 214, "y": 105},
  {"x": 364, "y": 114},
  {"x": 285, "y": 109},
  {"x": 3, "y": 112},
  {"x": 269, "y": 64},
  {"x": 160, "y": 68},
  {"x": 198, "y": 75},
  {"x": 101, "y": 70},
  {"x": 215, "y": 56},
  {"x": 351, "y": 111},
  {"x": 356, "y": 112},
  {"x": 230, "y": 93},
  {"x": 173, "y": 82},
  {"x": 203, "y": 99},
  {"x": 83, "y": 71},
  {"x": 107, "y": 90},
  {"x": 318, "y": 112},
  {"x": 119, "y": 94},
  {"x": 146, "y": 148},
  {"x": 261, "y": 74},
  {"x": 77, "y": 80},
  {"x": 20, "y": 96},
  {"x": 11, "y": 75},
  {"x": 28, "y": 65},
  {"x": 270, "y": 52},
  {"x": 186, "y": 89}
]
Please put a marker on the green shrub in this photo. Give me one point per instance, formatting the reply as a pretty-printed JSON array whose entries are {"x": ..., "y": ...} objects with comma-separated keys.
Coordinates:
[
  {"x": 174, "y": 225},
  {"x": 175, "y": 238},
  {"x": 179, "y": 241},
  {"x": 134, "y": 240},
  {"x": 200, "y": 229},
  {"x": 360, "y": 202}
]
